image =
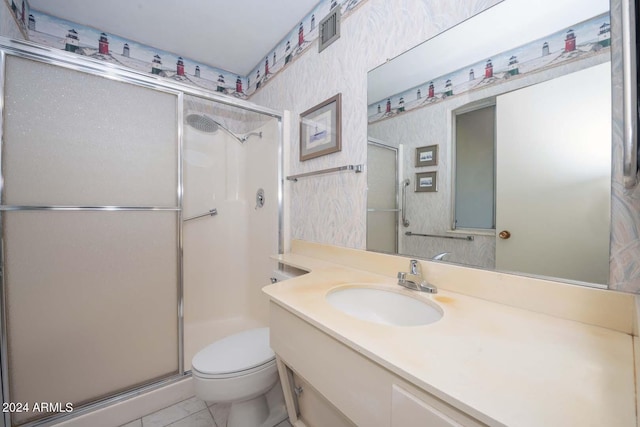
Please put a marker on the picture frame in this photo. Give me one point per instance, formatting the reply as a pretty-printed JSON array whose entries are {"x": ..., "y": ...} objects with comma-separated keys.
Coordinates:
[
  {"x": 427, "y": 156},
  {"x": 321, "y": 129},
  {"x": 426, "y": 182}
]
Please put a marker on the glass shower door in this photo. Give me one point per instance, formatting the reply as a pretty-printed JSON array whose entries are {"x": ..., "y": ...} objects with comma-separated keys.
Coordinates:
[{"x": 91, "y": 237}]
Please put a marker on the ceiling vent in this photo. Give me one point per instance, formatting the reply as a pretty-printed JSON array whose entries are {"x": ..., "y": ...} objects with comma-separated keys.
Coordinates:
[{"x": 329, "y": 29}]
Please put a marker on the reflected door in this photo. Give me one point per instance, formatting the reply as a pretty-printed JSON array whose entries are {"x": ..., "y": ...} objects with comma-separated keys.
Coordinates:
[
  {"x": 554, "y": 139},
  {"x": 382, "y": 198}
]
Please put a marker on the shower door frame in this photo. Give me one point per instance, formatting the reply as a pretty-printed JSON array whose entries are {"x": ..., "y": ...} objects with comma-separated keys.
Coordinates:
[
  {"x": 31, "y": 51},
  {"x": 398, "y": 209}
]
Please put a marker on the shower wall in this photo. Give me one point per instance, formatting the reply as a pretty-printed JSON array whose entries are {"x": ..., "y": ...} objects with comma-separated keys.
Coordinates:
[
  {"x": 226, "y": 257},
  {"x": 262, "y": 235}
]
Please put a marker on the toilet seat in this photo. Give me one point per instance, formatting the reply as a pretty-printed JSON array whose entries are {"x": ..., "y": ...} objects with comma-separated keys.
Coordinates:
[
  {"x": 270, "y": 364},
  {"x": 240, "y": 354}
]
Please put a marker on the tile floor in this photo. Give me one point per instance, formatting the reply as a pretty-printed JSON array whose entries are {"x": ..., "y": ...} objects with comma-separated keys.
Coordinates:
[{"x": 189, "y": 413}]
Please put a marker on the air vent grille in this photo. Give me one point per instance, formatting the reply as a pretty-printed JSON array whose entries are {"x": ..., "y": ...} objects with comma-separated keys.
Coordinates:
[{"x": 329, "y": 29}]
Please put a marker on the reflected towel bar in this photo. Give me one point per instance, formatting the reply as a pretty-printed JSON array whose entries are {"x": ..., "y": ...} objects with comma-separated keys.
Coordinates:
[
  {"x": 468, "y": 238},
  {"x": 211, "y": 212},
  {"x": 356, "y": 168}
]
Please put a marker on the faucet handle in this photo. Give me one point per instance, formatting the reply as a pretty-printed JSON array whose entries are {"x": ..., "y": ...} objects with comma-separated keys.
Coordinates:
[{"x": 414, "y": 267}]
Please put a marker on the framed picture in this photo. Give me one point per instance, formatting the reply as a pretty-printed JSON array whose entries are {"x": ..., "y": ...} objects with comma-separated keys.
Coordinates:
[
  {"x": 427, "y": 182},
  {"x": 427, "y": 156},
  {"x": 321, "y": 129}
]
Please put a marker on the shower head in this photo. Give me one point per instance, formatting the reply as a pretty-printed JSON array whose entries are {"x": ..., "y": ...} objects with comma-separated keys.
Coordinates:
[
  {"x": 206, "y": 124},
  {"x": 202, "y": 123}
]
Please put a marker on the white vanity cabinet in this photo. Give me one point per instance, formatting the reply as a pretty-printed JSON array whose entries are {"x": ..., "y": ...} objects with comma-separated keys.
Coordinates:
[
  {"x": 361, "y": 390},
  {"x": 409, "y": 410}
]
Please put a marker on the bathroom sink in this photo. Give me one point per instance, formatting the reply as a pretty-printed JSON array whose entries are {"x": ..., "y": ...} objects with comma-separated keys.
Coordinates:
[{"x": 384, "y": 307}]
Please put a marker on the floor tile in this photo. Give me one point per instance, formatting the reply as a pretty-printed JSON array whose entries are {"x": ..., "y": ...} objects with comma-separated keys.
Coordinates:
[
  {"x": 134, "y": 423},
  {"x": 285, "y": 423},
  {"x": 199, "y": 419},
  {"x": 174, "y": 413},
  {"x": 220, "y": 413}
]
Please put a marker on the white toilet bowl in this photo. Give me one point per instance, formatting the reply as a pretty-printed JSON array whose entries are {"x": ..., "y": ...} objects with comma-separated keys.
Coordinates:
[{"x": 241, "y": 369}]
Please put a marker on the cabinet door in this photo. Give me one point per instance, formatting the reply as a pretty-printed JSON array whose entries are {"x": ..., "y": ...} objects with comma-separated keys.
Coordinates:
[{"x": 408, "y": 410}]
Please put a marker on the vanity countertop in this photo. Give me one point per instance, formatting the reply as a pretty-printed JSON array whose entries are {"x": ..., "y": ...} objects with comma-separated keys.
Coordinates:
[{"x": 504, "y": 365}]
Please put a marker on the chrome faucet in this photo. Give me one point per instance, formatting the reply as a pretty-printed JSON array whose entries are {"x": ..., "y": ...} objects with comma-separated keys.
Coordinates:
[
  {"x": 440, "y": 257},
  {"x": 414, "y": 279}
]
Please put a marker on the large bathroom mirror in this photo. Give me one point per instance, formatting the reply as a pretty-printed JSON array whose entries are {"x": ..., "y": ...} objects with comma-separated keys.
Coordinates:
[{"x": 502, "y": 129}]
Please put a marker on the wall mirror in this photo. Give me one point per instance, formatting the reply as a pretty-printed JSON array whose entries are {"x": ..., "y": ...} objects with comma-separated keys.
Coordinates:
[{"x": 517, "y": 100}]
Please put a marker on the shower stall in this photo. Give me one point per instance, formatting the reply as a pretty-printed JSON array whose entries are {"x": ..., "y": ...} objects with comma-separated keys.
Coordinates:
[{"x": 137, "y": 220}]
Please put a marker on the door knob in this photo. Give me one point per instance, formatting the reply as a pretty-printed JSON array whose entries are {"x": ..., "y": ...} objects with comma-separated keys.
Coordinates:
[{"x": 504, "y": 234}]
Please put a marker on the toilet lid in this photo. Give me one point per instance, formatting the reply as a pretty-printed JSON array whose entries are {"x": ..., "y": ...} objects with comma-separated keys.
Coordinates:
[{"x": 235, "y": 353}]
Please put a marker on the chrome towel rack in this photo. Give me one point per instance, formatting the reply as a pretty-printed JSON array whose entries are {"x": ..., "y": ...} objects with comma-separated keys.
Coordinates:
[
  {"x": 468, "y": 238},
  {"x": 355, "y": 168},
  {"x": 211, "y": 212}
]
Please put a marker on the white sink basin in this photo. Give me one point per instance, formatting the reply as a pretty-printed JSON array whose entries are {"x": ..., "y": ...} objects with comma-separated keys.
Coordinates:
[{"x": 384, "y": 307}]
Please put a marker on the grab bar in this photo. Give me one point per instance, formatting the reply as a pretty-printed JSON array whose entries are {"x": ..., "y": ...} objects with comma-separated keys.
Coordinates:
[
  {"x": 469, "y": 238},
  {"x": 630, "y": 108},
  {"x": 405, "y": 184},
  {"x": 356, "y": 168},
  {"x": 211, "y": 212}
]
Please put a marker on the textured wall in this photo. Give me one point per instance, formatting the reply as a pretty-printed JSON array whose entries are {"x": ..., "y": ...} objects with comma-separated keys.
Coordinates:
[{"x": 332, "y": 208}]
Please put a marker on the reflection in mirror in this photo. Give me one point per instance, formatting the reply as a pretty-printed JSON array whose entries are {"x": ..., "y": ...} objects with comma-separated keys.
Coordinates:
[
  {"x": 475, "y": 171},
  {"x": 522, "y": 123},
  {"x": 382, "y": 197}
]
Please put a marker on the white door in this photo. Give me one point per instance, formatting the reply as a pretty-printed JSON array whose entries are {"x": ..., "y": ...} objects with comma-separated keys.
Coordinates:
[{"x": 553, "y": 177}]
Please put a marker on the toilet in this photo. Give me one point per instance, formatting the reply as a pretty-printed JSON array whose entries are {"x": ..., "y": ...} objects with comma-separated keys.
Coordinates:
[{"x": 241, "y": 369}]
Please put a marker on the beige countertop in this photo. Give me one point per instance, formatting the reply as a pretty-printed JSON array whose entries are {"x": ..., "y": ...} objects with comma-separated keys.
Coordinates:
[{"x": 501, "y": 364}]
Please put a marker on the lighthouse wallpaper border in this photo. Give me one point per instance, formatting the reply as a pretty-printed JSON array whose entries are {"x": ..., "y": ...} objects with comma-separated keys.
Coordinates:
[
  {"x": 80, "y": 39},
  {"x": 590, "y": 37}
]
